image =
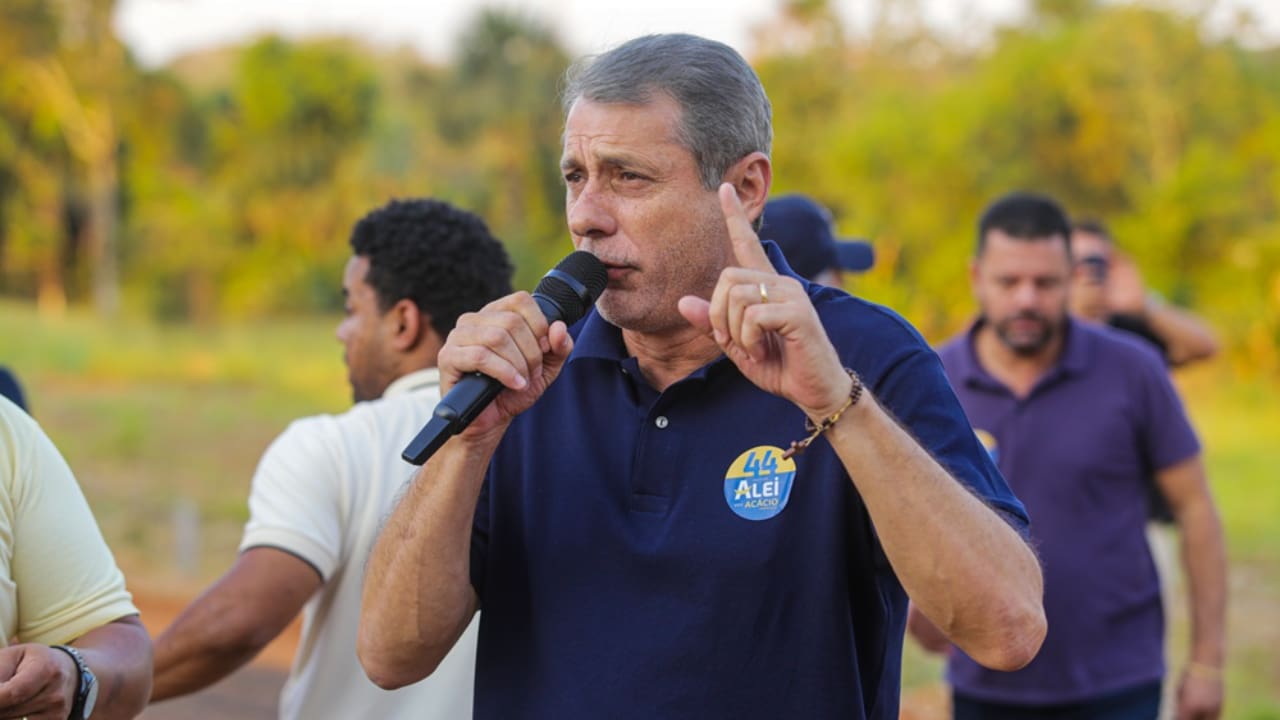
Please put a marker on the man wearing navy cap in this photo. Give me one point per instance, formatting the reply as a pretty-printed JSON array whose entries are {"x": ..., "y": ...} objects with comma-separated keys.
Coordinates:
[{"x": 802, "y": 229}]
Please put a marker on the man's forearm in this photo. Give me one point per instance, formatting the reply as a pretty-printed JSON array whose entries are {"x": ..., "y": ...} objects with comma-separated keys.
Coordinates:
[
  {"x": 230, "y": 623},
  {"x": 964, "y": 566},
  {"x": 192, "y": 654},
  {"x": 417, "y": 597},
  {"x": 119, "y": 653},
  {"x": 1186, "y": 337},
  {"x": 1204, "y": 559}
]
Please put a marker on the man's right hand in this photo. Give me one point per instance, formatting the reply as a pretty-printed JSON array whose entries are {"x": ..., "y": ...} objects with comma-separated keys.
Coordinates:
[
  {"x": 37, "y": 681},
  {"x": 510, "y": 341}
]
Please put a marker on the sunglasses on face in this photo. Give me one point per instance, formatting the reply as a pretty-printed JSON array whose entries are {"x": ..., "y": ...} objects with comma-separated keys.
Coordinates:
[{"x": 1096, "y": 266}]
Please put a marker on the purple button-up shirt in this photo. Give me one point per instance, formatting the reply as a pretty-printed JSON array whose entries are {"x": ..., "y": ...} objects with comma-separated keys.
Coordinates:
[{"x": 1078, "y": 450}]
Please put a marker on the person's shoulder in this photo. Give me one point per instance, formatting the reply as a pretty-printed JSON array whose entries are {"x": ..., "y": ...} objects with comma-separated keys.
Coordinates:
[
  {"x": 310, "y": 441},
  {"x": 16, "y": 439},
  {"x": 954, "y": 346},
  {"x": 1121, "y": 347},
  {"x": 17, "y": 428},
  {"x": 843, "y": 313},
  {"x": 14, "y": 417},
  {"x": 412, "y": 406}
]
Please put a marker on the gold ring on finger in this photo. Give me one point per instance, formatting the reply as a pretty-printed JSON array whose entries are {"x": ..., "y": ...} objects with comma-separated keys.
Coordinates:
[{"x": 764, "y": 293}]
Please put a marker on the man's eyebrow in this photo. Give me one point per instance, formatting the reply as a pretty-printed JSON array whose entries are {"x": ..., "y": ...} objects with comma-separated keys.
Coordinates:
[{"x": 613, "y": 159}]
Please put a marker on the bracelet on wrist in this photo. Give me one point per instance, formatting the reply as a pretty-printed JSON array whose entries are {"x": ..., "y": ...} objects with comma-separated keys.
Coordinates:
[
  {"x": 1204, "y": 670},
  {"x": 814, "y": 430}
]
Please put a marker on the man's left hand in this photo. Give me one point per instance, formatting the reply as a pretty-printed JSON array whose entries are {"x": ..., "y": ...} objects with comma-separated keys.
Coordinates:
[
  {"x": 1199, "y": 697},
  {"x": 37, "y": 682},
  {"x": 766, "y": 325}
]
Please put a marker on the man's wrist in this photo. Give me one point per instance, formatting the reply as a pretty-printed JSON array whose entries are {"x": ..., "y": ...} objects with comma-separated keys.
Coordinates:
[
  {"x": 74, "y": 685},
  {"x": 1206, "y": 671},
  {"x": 70, "y": 674},
  {"x": 841, "y": 391},
  {"x": 827, "y": 420}
]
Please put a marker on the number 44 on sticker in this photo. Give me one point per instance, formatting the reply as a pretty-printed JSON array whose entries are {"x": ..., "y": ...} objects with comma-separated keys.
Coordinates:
[{"x": 765, "y": 465}]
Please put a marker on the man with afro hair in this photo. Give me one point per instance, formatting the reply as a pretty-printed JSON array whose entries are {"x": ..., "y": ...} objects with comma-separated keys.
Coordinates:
[{"x": 324, "y": 486}]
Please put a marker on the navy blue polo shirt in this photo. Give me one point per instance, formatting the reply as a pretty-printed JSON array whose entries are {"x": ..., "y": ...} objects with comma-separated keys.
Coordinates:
[
  {"x": 1079, "y": 450},
  {"x": 641, "y": 554}
]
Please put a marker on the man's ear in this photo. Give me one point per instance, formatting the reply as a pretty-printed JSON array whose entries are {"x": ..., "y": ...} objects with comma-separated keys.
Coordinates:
[
  {"x": 751, "y": 177},
  {"x": 408, "y": 325}
]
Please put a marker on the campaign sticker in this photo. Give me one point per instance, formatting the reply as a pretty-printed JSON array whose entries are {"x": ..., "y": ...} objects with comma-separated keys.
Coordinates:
[
  {"x": 758, "y": 483},
  {"x": 989, "y": 442}
]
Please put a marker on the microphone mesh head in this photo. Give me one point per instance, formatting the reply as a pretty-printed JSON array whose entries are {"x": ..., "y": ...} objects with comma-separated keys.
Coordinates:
[{"x": 587, "y": 270}]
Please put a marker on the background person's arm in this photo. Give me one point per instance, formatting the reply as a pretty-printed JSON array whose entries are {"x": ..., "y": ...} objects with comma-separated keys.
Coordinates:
[
  {"x": 38, "y": 681},
  {"x": 230, "y": 623},
  {"x": 1200, "y": 689},
  {"x": 119, "y": 653},
  {"x": 68, "y": 591},
  {"x": 1186, "y": 337}
]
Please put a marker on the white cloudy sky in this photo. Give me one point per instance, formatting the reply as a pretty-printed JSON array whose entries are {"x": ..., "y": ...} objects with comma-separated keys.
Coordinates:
[{"x": 158, "y": 30}]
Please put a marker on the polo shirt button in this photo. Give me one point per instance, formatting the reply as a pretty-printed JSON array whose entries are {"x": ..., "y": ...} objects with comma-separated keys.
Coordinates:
[{"x": 661, "y": 421}]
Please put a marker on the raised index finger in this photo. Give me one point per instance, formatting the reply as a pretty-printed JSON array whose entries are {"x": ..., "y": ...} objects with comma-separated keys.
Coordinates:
[{"x": 746, "y": 244}]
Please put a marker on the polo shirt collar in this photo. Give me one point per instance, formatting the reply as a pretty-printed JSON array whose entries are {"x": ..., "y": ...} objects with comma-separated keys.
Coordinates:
[
  {"x": 1077, "y": 347},
  {"x": 603, "y": 340},
  {"x": 416, "y": 380}
]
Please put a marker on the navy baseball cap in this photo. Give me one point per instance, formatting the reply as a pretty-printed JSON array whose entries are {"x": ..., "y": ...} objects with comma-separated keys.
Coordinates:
[{"x": 802, "y": 229}]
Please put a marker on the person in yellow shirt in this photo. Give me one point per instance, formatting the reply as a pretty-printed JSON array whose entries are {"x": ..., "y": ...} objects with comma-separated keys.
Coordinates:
[{"x": 75, "y": 645}]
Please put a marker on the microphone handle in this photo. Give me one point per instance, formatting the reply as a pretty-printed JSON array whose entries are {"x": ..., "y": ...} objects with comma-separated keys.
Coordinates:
[{"x": 466, "y": 399}]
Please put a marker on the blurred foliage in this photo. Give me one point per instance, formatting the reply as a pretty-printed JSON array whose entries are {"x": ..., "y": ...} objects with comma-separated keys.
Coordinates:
[{"x": 223, "y": 185}]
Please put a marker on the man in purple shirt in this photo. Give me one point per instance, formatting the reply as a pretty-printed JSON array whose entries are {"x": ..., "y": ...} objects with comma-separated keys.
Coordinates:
[{"x": 1077, "y": 417}]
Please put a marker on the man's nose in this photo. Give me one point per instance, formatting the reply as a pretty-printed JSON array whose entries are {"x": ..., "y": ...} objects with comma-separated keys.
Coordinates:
[
  {"x": 1026, "y": 294},
  {"x": 590, "y": 214}
]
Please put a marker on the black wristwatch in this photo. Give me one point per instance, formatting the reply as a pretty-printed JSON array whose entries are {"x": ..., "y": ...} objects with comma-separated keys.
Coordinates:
[{"x": 86, "y": 685}]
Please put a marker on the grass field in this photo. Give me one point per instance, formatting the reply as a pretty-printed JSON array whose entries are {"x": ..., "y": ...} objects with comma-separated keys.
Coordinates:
[{"x": 165, "y": 422}]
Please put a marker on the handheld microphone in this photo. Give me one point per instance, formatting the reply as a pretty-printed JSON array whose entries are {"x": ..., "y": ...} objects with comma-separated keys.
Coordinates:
[{"x": 565, "y": 293}]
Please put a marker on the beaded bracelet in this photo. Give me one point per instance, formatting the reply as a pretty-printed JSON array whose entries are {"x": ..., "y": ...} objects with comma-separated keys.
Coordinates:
[{"x": 798, "y": 446}]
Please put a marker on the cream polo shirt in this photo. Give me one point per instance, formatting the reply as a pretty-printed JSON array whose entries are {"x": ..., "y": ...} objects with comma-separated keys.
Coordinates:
[
  {"x": 58, "y": 579},
  {"x": 322, "y": 492}
]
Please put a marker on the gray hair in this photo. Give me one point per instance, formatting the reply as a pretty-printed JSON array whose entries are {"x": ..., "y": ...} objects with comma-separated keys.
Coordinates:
[{"x": 724, "y": 112}]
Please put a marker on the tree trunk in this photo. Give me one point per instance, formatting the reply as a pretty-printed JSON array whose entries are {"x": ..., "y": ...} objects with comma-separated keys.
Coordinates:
[{"x": 103, "y": 222}]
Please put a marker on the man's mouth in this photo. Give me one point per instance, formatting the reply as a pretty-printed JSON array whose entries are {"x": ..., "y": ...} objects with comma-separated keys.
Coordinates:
[{"x": 617, "y": 271}]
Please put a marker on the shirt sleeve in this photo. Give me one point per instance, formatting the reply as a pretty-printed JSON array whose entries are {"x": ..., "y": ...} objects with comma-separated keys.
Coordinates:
[
  {"x": 66, "y": 580},
  {"x": 295, "y": 504},
  {"x": 1167, "y": 435},
  {"x": 916, "y": 391}
]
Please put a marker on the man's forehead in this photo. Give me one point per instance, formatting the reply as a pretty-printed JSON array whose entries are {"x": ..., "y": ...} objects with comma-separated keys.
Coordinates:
[
  {"x": 653, "y": 121},
  {"x": 1009, "y": 250},
  {"x": 1083, "y": 239}
]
